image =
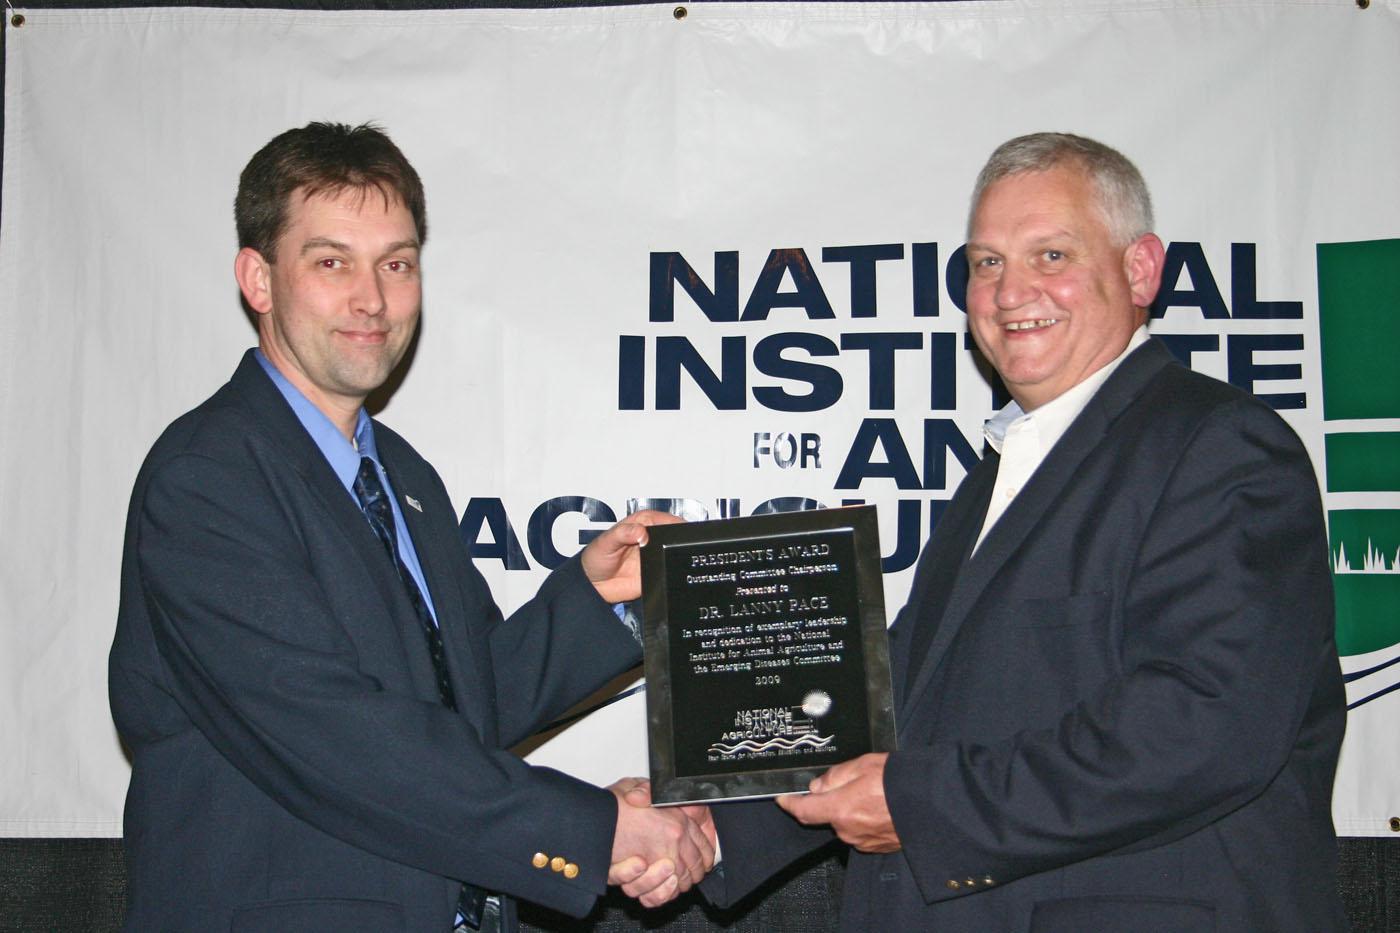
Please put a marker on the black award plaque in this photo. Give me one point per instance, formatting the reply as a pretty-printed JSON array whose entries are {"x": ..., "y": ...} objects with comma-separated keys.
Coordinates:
[{"x": 766, "y": 654}]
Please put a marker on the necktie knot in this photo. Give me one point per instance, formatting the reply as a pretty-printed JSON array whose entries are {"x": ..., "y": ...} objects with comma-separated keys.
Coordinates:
[
  {"x": 374, "y": 501},
  {"x": 370, "y": 491}
]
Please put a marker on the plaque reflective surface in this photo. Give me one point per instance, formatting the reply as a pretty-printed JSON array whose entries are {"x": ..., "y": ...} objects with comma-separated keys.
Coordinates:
[{"x": 766, "y": 652}]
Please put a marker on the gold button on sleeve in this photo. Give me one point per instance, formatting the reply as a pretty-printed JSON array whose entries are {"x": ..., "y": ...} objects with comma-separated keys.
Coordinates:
[
  {"x": 988, "y": 880},
  {"x": 953, "y": 883},
  {"x": 557, "y": 863},
  {"x": 540, "y": 860},
  {"x": 571, "y": 871}
]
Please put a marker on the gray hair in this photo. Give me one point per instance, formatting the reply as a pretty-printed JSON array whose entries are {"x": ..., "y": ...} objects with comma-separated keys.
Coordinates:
[{"x": 1123, "y": 199}]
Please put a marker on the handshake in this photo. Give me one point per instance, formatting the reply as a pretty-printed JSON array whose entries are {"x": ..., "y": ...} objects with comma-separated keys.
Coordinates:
[{"x": 658, "y": 853}]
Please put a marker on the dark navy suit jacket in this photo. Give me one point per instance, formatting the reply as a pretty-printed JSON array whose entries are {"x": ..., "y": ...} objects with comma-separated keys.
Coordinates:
[
  {"x": 292, "y": 766},
  {"x": 1123, "y": 711}
]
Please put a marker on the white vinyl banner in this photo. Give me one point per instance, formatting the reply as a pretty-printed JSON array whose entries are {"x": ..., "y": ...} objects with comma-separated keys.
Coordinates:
[{"x": 705, "y": 253}]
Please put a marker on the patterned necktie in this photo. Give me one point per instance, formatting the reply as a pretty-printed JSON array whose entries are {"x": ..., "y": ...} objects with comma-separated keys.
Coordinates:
[{"x": 375, "y": 503}]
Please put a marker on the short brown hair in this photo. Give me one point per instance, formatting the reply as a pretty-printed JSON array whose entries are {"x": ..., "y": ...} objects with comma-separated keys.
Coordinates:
[{"x": 321, "y": 158}]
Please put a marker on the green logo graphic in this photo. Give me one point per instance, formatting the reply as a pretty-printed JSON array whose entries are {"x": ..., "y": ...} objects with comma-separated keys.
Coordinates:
[
  {"x": 1366, "y": 575},
  {"x": 1358, "y": 288}
]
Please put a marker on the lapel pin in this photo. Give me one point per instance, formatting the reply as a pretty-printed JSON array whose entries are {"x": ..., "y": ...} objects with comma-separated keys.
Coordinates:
[{"x": 417, "y": 506}]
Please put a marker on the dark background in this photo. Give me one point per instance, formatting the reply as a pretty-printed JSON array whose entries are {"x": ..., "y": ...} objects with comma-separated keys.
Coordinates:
[{"x": 80, "y": 885}]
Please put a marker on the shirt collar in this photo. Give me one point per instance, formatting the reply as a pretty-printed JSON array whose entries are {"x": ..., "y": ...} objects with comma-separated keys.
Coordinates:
[
  {"x": 1056, "y": 415},
  {"x": 341, "y": 454}
]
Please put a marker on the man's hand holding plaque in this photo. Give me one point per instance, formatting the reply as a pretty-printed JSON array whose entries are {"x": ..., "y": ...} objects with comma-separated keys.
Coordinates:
[
  {"x": 612, "y": 562},
  {"x": 851, "y": 799}
]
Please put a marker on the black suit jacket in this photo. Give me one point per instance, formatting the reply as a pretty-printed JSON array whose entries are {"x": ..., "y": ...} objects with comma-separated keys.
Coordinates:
[
  {"x": 1123, "y": 711},
  {"x": 292, "y": 765}
]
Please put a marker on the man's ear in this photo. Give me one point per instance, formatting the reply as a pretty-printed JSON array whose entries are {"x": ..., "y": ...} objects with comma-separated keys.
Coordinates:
[
  {"x": 254, "y": 275},
  {"x": 1142, "y": 264}
]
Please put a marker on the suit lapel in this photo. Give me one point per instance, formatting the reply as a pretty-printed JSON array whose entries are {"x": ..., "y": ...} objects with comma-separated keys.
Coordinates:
[
  {"x": 276, "y": 418},
  {"x": 410, "y": 482},
  {"x": 939, "y": 567},
  {"x": 1036, "y": 498}
]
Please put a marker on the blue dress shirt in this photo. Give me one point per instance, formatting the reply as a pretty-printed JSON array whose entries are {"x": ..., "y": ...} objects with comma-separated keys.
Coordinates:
[{"x": 344, "y": 458}]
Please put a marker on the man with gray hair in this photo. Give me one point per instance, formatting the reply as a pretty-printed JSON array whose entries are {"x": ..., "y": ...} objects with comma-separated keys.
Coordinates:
[{"x": 1116, "y": 685}]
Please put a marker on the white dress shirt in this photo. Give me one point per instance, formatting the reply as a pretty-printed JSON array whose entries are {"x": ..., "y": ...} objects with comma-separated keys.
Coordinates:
[{"x": 1024, "y": 438}]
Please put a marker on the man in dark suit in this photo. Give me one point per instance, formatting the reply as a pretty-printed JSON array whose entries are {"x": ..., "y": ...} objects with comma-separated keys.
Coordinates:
[
  {"x": 314, "y": 683},
  {"x": 1117, "y": 693}
]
